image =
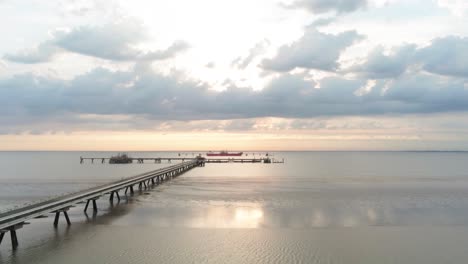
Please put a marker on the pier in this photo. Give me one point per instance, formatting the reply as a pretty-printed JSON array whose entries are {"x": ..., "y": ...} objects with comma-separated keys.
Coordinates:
[
  {"x": 137, "y": 160},
  {"x": 15, "y": 219},
  {"x": 205, "y": 160}
]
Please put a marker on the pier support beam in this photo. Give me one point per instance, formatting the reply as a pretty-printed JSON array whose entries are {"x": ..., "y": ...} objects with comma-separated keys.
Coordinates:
[
  {"x": 14, "y": 239},
  {"x": 129, "y": 188},
  {"x": 57, "y": 216},
  {"x": 142, "y": 185},
  {"x": 111, "y": 198},
  {"x": 13, "y": 236},
  {"x": 94, "y": 204}
]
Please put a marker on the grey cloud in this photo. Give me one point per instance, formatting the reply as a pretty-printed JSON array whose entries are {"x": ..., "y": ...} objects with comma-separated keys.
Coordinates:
[
  {"x": 44, "y": 52},
  {"x": 325, "y": 6},
  {"x": 324, "y": 21},
  {"x": 257, "y": 50},
  {"x": 378, "y": 65},
  {"x": 444, "y": 56},
  {"x": 429, "y": 93},
  {"x": 171, "y": 51},
  {"x": 114, "y": 41},
  {"x": 152, "y": 98},
  {"x": 314, "y": 50}
]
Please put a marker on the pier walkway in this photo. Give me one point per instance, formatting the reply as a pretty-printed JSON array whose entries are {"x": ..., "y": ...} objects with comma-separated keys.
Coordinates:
[
  {"x": 15, "y": 219},
  {"x": 205, "y": 160}
]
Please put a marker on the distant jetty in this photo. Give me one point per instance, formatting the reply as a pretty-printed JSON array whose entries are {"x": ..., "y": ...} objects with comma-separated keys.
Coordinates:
[{"x": 125, "y": 159}]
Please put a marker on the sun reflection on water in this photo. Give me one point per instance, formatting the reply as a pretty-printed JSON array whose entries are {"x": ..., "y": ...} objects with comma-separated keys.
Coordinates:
[
  {"x": 226, "y": 217},
  {"x": 248, "y": 217}
]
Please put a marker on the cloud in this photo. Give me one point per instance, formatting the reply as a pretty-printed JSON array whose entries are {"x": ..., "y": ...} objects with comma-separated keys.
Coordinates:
[
  {"x": 314, "y": 50},
  {"x": 457, "y": 7},
  {"x": 324, "y": 21},
  {"x": 325, "y": 6},
  {"x": 44, "y": 52},
  {"x": 257, "y": 50},
  {"x": 142, "y": 98},
  {"x": 426, "y": 93},
  {"x": 114, "y": 41},
  {"x": 444, "y": 56},
  {"x": 379, "y": 65}
]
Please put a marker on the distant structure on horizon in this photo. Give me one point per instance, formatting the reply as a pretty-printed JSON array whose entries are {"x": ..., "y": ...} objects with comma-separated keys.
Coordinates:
[{"x": 224, "y": 154}]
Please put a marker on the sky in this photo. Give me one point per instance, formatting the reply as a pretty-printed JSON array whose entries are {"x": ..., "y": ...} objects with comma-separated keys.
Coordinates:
[{"x": 238, "y": 75}]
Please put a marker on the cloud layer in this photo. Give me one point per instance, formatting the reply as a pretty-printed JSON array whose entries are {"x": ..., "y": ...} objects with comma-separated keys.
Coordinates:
[
  {"x": 115, "y": 42},
  {"x": 444, "y": 56},
  {"x": 152, "y": 97},
  {"x": 314, "y": 50}
]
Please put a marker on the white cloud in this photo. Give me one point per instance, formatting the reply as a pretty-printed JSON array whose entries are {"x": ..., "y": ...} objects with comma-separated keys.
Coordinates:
[{"x": 457, "y": 7}]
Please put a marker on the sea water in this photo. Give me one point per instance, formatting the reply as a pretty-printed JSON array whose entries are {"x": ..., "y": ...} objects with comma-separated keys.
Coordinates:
[{"x": 317, "y": 207}]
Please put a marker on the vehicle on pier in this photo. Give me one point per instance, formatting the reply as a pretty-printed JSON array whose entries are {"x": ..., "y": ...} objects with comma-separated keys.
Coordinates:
[
  {"x": 224, "y": 154},
  {"x": 121, "y": 158}
]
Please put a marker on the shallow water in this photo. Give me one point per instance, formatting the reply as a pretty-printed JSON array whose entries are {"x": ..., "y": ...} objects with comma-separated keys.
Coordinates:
[{"x": 318, "y": 207}]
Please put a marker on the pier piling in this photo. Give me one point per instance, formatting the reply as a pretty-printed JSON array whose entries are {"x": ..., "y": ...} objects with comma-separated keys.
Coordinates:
[
  {"x": 94, "y": 204},
  {"x": 57, "y": 216}
]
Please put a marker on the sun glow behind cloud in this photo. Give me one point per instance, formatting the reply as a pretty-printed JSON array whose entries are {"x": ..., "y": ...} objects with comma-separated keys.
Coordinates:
[{"x": 216, "y": 29}]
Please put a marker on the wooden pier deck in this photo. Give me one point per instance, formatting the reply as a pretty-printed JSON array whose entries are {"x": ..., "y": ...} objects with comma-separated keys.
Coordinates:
[
  {"x": 138, "y": 160},
  {"x": 169, "y": 160},
  {"x": 15, "y": 219}
]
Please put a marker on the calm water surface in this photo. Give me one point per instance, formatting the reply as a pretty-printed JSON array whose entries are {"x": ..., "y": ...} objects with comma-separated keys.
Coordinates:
[{"x": 318, "y": 207}]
